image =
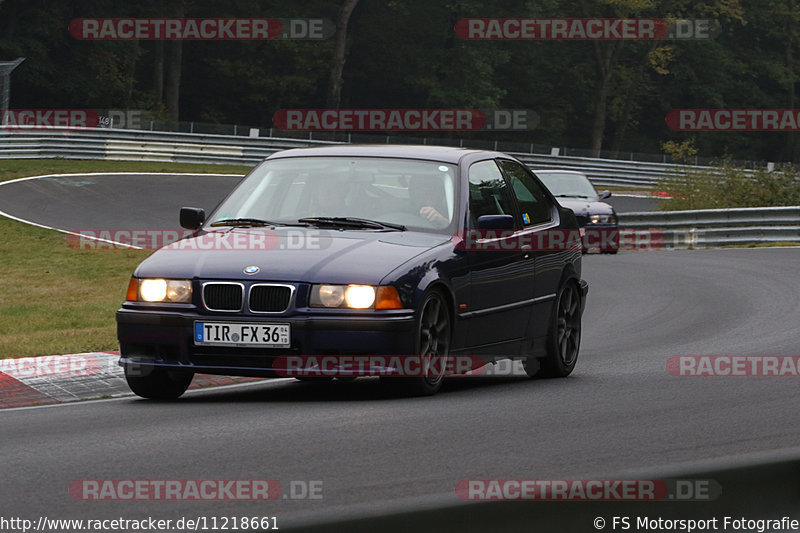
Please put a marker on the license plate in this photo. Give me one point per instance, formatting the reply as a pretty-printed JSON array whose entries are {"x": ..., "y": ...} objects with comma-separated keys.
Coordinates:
[{"x": 241, "y": 334}]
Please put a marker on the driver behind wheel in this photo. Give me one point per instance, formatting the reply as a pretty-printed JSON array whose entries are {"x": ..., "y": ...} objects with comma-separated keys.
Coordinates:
[{"x": 428, "y": 199}]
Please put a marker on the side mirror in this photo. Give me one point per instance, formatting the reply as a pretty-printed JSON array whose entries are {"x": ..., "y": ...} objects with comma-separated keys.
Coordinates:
[
  {"x": 192, "y": 217},
  {"x": 605, "y": 194},
  {"x": 495, "y": 222}
]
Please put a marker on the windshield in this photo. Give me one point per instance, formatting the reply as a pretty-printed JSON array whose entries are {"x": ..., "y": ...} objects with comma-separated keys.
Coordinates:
[
  {"x": 419, "y": 195},
  {"x": 572, "y": 184}
]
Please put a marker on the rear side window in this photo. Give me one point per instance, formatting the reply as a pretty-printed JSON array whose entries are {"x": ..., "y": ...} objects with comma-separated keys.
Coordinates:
[
  {"x": 534, "y": 204},
  {"x": 488, "y": 193}
]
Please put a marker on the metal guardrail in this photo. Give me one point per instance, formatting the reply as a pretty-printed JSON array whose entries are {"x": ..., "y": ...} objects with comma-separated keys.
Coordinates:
[
  {"x": 142, "y": 146},
  {"x": 208, "y": 148},
  {"x": 719, "y": 227}
]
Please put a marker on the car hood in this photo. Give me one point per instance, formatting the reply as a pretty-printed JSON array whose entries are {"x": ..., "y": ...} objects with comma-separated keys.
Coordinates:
[
  {"x": 289, "y": 254},
  {"x": 582, "y": 206}
]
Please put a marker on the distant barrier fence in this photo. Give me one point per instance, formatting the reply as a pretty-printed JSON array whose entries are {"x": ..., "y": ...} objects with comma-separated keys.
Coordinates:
[
  {"x": 719, "y": 227},
  {"x": 118, "y": 144}
]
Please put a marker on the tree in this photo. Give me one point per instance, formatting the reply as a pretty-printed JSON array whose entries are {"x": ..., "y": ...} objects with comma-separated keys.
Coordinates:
[{"x": 339, "y": 53}]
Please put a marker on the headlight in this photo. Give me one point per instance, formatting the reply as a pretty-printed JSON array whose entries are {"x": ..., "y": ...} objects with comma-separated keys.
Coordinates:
[
  {"x": 603, "y": 219},
  {"x": 359, "y": 296},
  {"x": 355, "y": 297},
  {"x": 331, "y": 295},
  {"x": 160, "y": 290}
]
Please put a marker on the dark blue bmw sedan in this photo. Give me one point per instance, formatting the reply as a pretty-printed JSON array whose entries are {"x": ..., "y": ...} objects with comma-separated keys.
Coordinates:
[{"x": 353, "y": 260}]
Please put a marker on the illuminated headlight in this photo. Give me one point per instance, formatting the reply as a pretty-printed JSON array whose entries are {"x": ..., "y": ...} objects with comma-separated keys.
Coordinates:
[
  {"x": 355, "y": 297},
  {"x": 165, "y": 290},
  {"x": 359, "y": 296},
  {"x": 603, "y": 219}
]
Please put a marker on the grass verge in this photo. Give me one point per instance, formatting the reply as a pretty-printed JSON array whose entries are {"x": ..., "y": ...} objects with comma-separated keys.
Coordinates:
[{"x": 55, "y": 299}]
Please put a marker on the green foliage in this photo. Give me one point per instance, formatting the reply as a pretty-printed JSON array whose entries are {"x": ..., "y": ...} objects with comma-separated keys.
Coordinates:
[
  {"x": 731, "y": 187},
  {"x": 682, "y": 152}
]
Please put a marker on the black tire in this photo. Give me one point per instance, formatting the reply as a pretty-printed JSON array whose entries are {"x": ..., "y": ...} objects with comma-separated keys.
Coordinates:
[
  {"x": 563, "y": 337},
  {"x": 157, "y": 383},
  {"x": 433, "y": 344}
]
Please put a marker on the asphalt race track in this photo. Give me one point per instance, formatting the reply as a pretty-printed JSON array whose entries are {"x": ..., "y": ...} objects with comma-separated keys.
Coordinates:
[
  {"x": 112, "y": 201},
  {"x": 620, "y": 411}
]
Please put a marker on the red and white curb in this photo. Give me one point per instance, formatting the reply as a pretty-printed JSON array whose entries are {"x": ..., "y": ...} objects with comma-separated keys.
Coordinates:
[{"x": 52, "y": 379}]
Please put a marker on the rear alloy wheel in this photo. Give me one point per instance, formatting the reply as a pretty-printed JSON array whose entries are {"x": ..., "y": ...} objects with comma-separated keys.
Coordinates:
[
  {"x": 157, "y": 383},
  {"x": 433, "y": 345},
  {"x": 563, "y": 338}
]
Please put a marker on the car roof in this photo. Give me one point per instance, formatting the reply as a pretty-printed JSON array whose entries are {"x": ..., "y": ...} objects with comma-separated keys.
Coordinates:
[
  {"x": 444, "y": 154},
  {"x": 557, "y": 171}
]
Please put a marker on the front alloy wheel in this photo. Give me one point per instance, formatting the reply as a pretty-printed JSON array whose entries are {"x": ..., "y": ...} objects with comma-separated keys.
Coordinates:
[{"x": 433, "y": 345}]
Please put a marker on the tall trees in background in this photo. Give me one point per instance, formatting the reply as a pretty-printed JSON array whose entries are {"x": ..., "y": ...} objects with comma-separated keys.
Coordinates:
[{"x": 599, "y": 95}]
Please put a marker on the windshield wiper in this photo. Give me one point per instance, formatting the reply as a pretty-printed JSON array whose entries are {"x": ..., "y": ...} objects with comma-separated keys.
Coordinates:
[
  {"x": 251, "y": 222},
  {"x": 572, "y": 196},
  {"x": 352, "y": 222}
]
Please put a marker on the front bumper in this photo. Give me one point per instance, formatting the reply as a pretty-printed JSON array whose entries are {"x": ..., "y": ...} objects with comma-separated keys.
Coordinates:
[
  {"x": 150, "y": 338},
  {"x": 604, "y": 237}
]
